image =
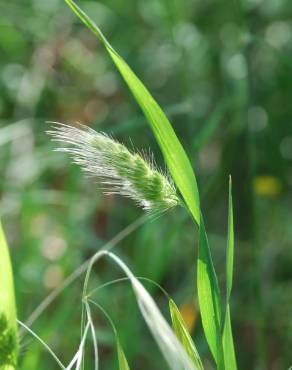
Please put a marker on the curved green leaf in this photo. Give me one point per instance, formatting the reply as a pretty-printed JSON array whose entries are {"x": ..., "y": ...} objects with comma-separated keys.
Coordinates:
[
  {"x": 173, "y": 152},
  {"x": 183, "y": 335},
  {"x": 209, "y": 297}
]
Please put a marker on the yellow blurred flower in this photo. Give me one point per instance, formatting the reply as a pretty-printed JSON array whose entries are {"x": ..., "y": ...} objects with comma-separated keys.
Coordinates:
[
  {"x": 267, "y": 186},
  {"x": 189, "y": 313}
]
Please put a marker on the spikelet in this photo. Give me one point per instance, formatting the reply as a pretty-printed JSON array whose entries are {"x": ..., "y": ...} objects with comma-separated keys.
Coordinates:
[{"x": 119, "y": 170}]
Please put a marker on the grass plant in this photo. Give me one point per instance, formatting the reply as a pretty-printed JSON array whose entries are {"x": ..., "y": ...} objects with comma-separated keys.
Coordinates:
[
  {"x": 134, "y": 175},
  {"x": 130, "y": 175}
]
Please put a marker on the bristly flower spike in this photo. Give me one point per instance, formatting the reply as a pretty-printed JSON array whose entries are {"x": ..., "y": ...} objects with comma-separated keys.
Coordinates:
[{"x": 119, "y": 170}]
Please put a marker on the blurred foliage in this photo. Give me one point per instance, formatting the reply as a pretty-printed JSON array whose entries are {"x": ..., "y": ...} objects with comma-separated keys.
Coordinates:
[{"x": 223, "y": 73}]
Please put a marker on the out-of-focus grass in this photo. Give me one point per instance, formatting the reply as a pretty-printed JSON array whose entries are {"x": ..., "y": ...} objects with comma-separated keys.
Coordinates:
[{"x": 222, "y": 72}]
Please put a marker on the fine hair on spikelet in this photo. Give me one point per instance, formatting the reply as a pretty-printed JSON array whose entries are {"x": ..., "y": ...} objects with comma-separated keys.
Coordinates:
[{"x": 119, "y": 170}]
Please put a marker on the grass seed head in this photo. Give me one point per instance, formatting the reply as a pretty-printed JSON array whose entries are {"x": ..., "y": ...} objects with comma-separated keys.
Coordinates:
[{"x": 120, "y": 171}]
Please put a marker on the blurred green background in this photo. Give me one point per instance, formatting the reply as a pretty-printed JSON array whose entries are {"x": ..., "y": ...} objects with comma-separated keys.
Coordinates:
[{"x": 222, "y": 71}]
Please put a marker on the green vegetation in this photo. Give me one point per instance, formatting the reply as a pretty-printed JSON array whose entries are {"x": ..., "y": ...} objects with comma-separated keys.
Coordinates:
[
  {"x": 8, "y": 325},
  {"x": 222, "y": 74}
]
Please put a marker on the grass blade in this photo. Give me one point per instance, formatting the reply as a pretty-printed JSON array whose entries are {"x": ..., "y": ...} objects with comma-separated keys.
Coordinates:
[
  {"x": 230, "y": 244},
  {"x": 209, "y": 297},
  {"x": 183, "y": 335},
  {"x": 8, "y": 323},
  {"x": 173, "y": 152},
  {"x": 170, "y": 347},
  {"x": 228, "y": 344},
  {"x": 123, "y": 363}
]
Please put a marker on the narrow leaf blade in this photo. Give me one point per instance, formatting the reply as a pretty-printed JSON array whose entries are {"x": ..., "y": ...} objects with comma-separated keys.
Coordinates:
[
  {"x": 228, "y": 344},
  {"x": 209, "y": 297},
  {"x": 122, "y": 360},
  {"x": 227, "y": 339},
  {"x": 173, "y": 152},
  {"x": 183, "y": 335},
  {"x": 230, "y": 244}
]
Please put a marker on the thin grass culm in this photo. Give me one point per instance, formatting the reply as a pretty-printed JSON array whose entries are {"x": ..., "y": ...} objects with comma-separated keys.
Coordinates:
[{"x": 119, "y": 170}]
